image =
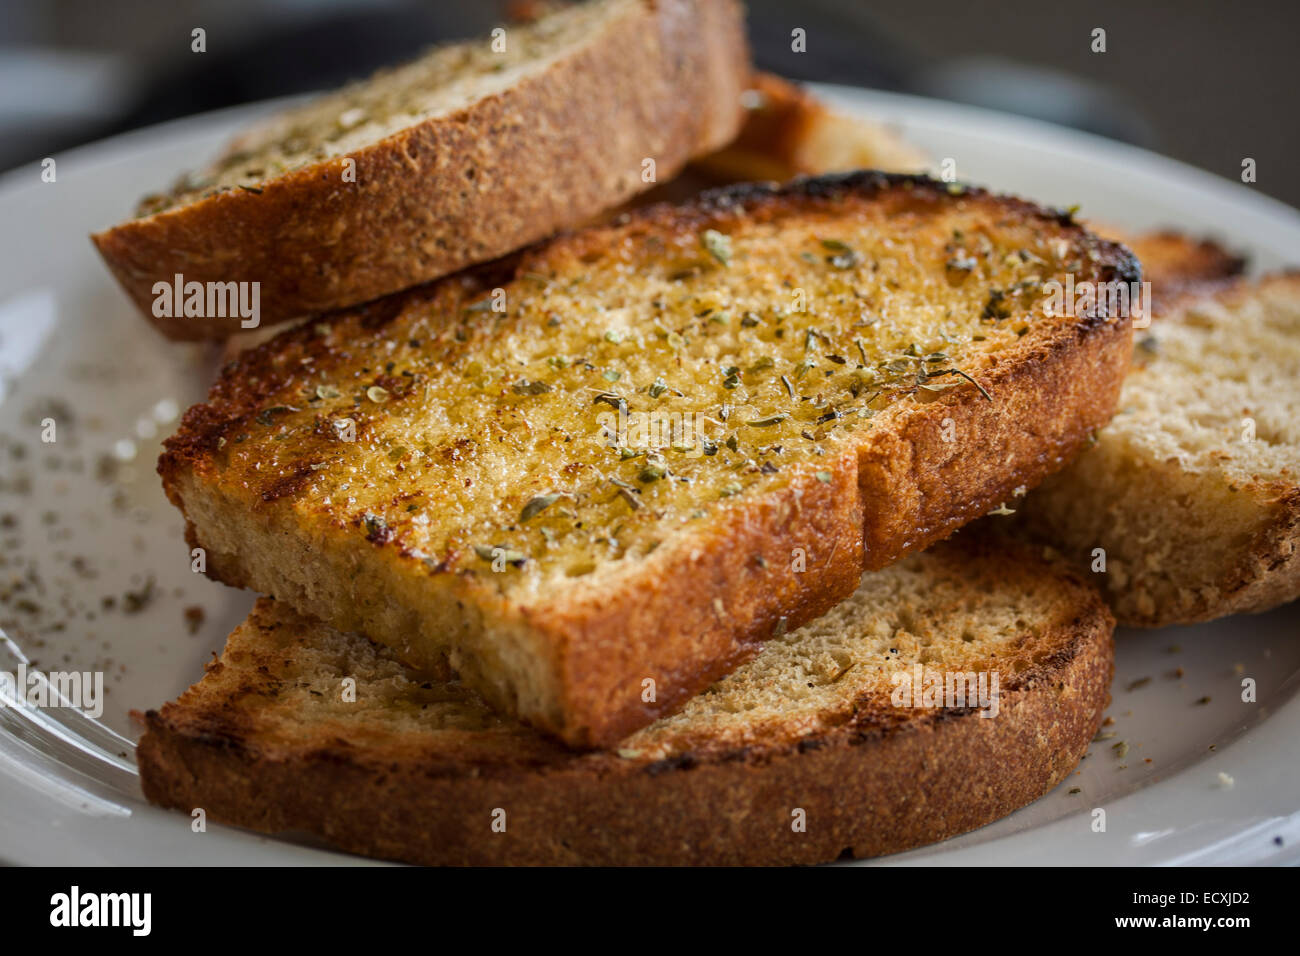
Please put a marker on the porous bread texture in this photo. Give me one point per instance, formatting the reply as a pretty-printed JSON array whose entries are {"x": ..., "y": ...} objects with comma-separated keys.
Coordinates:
[
  {"x": 1192, "y": 490},
  {"x": 461, "y": 157},
  {"x": 929, "y": 609},
  {"x": 413, "y": 769},
  {"x": 820, "y": 337},
  {"x": 946, "y": 611}
]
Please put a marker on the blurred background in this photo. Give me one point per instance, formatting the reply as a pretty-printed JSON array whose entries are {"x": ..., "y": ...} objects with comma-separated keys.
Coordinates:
[{"x": 1208, "y": 83}]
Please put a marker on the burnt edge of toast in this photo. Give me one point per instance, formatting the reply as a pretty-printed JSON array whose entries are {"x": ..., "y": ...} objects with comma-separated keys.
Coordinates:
[
  {"x": 248, "y": 379},
  {"x": 1184, "y": 267},
  {"x": 1210, "y": 258}
]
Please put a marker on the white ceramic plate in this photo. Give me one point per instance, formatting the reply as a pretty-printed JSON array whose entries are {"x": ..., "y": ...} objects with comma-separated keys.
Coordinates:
[{"x": 85, "y": 527}]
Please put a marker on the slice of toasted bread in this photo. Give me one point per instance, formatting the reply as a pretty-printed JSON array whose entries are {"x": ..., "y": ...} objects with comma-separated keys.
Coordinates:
[
  {"x": 1192, "y": 493},
  {"x": 683, "y": 434},
  {"x": 462, "y": 156},
  {"x": 805, "y": 754}
]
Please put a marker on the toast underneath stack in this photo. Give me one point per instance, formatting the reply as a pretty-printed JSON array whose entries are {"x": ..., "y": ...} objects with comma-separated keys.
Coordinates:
[
  {"x": 810, "y": 752},
  {"x": 1187, "y": 508},
  {"x": 1177, "y": 264},
  {"x": 867, "y": 363},
  {"x": 790, "y": 132},
  {"x": 464, "y": 155}
]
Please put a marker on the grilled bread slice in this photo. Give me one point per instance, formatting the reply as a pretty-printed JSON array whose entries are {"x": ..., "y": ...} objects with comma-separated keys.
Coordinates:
[
  {"x": 462, "y": 156},
  {"x": 1192, "y": 493},
  {"x": 805, "y": 754},
  {"x": 682, "y": 435},
  {"x": 787, "y": 132}
]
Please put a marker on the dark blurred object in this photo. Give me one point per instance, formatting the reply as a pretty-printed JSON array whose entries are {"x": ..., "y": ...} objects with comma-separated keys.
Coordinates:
[
  {"x": 1194, "y": 79},
  {"x": 846, "y": 43},
  {"x": 289, "y": 58},
  {"x": 1037, "y": 92},
  {"x": 843, "y": 44}
]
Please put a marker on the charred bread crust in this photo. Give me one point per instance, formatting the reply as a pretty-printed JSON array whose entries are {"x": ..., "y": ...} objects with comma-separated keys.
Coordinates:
[
  {"x": 914, "y": 487},
  {"x": 1177, "y": 264},
  {"x": 548, "y": 153},
  {"x": 885, "y": 780}
]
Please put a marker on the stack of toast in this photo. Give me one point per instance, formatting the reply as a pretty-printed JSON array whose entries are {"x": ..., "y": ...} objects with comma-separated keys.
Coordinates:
[{"x": 602, "y": 520}]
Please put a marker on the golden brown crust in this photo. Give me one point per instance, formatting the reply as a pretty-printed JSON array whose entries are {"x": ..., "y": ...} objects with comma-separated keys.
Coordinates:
[
  {"x": 767, "y": 148},
  {"x": 954, "y": 462},
  {"x": 789, "y": 132},
  {"x": 947, "y": 462},
  {"x": 547, "y": 154},
  {"x": 887, "y": 779},
  {"x": 1262, "y": 575},
  {"x": 769, "y": 144},
  {"x": 710, "y": 609},
  {"x": 1169, "y": 257}
]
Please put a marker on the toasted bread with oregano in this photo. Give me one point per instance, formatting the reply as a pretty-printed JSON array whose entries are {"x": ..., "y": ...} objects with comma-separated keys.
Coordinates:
[
  {"x": 1188, "y": 505},
  {"x": 464, "y": 155},
  {"x": 866, "y": 362},
  {"x": 787, "y": 132},
  {"x": 805, "y": 754}
]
